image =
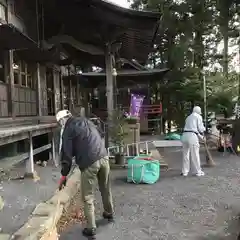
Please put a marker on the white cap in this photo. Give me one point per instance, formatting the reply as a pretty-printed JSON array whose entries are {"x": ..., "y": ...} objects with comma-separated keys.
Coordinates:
[
  {"x": 197, "y": 110},
  {"x": 62, "y": 114}
]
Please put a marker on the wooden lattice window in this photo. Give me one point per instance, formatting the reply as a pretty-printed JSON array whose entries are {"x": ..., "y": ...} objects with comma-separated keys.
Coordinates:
[{"x": 23, "y": 73}]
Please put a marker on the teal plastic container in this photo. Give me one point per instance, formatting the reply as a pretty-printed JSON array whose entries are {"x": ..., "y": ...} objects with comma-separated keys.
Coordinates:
[
  {"x": 143, "y": 171},
  {"x": 173, "y": 136}
]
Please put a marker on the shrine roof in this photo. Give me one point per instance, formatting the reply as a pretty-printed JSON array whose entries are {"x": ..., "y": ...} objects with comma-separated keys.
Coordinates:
[{"x": 98, "y": 22}]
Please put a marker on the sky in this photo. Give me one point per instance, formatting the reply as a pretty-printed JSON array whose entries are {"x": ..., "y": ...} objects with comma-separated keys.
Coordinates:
[{"x": 123, "y": 3}]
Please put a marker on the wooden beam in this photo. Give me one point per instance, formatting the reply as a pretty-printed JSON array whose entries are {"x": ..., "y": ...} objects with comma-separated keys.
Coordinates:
[
  {"x": 39, "y": 95},
  {"x": 8, "y": 162},
  {"x": 76, "y": 44},
  {"x": 21, "y": 132}
]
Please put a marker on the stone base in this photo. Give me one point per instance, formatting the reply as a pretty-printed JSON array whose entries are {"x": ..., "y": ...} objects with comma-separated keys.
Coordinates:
[
  {"x": 1, "y": 203},
  {"x": 33, "y": 176}
]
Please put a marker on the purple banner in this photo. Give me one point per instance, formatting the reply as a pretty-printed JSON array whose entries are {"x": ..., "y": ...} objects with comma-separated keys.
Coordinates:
[{"x": 136, "y": 105}]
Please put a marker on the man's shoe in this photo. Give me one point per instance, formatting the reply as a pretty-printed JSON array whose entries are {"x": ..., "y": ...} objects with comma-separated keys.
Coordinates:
[
  {"x": 200, "y": 174},
  {"x": 184, "y": 174},
  {"x": 108, "y": 216},
  {"x": 89, "y": 232}
]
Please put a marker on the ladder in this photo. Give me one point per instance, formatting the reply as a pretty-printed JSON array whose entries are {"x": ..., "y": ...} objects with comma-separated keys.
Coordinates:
[{"x": 140, "y": 148}]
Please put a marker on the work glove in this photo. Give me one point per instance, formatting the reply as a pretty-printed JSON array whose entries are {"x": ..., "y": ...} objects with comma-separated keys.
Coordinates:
[{"x": 62, "y": 183}]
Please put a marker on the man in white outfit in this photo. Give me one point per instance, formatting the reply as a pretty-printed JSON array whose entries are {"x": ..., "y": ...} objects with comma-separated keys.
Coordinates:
[{"x": 193, "y": 130}]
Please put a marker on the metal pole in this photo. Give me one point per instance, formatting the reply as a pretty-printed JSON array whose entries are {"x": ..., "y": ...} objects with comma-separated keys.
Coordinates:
[{"x": 205, "y": 100}]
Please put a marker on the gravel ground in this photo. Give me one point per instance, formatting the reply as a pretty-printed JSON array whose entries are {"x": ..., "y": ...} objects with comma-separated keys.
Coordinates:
[
  {"x": 175, "y": 208},
  {"x": 22, "y": 196}
]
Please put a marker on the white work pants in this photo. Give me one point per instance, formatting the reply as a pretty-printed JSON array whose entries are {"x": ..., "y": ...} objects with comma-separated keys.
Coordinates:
[{"x": 191, "y": 149}]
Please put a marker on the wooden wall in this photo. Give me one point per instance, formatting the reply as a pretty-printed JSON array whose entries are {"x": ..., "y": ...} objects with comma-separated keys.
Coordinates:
[
  {"x": 25, "y": 100},
  {"x": 22, "y": 18},
  {"x": 25, "y": 96},
  {"x": 3, "y": 100}
]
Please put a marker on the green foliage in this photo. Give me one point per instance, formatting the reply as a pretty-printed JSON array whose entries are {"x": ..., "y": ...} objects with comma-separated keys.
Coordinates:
[
  {"x": 187, "y": 41},
  {"x": 116, "y": 130}
]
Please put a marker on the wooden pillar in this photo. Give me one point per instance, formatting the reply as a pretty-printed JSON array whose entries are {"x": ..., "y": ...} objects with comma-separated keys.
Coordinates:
[
  {"x": 30, "y": 162},
  {"x": 109, "y": 91},
  {"x": 110, "y": 82},
  {"x": 78, "y": 93},
  {"x": 9, "y": 76},
  {"x": 52, "y": 153},
  {"x": 56, "y": 87},
  {"x": 70, "y": 96},
  {"x": 115, "y": 92},
  {"x": 70, "y": 100},
  {"x": 61, "y": 90},
  {"x": 39, "y": 95}
]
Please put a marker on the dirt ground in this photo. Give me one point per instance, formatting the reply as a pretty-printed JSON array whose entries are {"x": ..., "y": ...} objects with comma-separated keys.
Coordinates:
[
  {"x": 21, "y": 196},
  {"x": 175, "y": 208}
]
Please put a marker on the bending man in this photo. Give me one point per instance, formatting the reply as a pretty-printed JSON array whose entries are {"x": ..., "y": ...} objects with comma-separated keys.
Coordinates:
[
  {"x": 81, "y": 139},
  {"x": 193, "y": 130}
]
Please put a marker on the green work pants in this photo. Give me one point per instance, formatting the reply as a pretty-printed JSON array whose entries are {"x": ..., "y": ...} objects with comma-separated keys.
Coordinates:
[{"x": 98, "y": 171}]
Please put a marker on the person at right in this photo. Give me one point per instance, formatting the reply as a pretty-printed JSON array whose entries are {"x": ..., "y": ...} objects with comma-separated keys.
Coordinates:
[{"x": 193, "y": 131}]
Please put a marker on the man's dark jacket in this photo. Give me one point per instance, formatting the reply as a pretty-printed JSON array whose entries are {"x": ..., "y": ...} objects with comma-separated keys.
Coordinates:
[{"x": 81, "y": 139}]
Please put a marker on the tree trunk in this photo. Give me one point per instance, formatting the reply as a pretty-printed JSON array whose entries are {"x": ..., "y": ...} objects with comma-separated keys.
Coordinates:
[{"x": 224, "y": 26}]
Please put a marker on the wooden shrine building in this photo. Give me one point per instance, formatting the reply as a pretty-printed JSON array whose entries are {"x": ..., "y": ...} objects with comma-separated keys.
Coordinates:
[{"x": 42, "y": 42}]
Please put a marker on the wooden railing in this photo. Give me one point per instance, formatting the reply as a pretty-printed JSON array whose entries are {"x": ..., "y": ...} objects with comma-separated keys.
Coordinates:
[{"x": 10, "y": 135}]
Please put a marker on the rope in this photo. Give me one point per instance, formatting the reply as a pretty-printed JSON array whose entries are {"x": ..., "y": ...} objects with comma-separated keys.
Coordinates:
[{"x": 142, "y": 173}]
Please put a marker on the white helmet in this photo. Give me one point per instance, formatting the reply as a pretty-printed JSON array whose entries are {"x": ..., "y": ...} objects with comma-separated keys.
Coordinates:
[
  {"x": 62, "y": 114},
  {"x": 197, "y": 110}
]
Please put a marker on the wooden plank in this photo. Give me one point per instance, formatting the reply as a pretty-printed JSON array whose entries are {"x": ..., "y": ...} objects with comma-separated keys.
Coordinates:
[
  {"x": 18, "y": 130},
  {"x": 12, "y": 139},
  {"x": 14, "y": 135},
  {"x": 41, "y": 132}
]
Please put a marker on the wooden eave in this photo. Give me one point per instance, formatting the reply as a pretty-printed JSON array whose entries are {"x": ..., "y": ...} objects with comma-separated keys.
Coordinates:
[
  {"x": 124, "y": 77},
  {"x": 98, "y": 22}
]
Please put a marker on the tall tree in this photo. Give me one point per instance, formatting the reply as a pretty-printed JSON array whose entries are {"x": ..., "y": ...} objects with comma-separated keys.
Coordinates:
[{"x": 187, "y": 43}]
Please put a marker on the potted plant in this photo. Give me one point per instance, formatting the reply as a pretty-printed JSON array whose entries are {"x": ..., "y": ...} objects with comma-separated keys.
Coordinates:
[
  {"x": 131, "y": 119},
  {"x": 116, "y": 135}
]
